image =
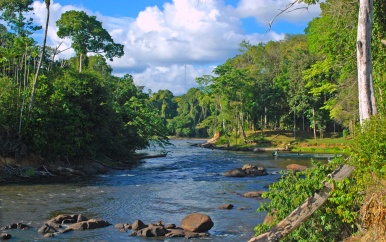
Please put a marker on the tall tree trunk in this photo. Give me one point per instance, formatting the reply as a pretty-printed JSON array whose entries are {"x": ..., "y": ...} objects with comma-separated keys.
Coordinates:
[
  {"x": 48, "y": 2},
  {"x": 314, "y": 122},
  {"x": 241, "y": 116},
  {"x": 294, "y": 124},
  {"x": 367, "y": 104},
  {"x": 80, "y": 63}
]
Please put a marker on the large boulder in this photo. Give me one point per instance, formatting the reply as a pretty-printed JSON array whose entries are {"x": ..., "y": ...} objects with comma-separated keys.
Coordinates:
[{"x": 197, "y": 222}]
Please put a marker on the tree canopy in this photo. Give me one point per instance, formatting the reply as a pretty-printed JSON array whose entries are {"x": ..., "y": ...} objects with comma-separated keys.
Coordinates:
[{"x": 87, "y": 35}]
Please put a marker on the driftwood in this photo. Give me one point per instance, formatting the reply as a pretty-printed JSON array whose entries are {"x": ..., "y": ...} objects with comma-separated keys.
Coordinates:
[{"x": 303, "y": 212}]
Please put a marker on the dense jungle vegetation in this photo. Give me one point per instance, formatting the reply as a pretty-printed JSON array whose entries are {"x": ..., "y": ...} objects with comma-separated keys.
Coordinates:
[{"x": 68, "y": 109}]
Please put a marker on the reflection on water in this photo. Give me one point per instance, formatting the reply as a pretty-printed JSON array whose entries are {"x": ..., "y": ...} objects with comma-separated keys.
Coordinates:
[{"x": 188, "y": 180}]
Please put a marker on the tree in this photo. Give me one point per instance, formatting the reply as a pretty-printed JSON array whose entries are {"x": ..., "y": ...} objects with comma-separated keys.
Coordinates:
[
  {"x": 367, "y": 104},
  {"x": 336, "y": 65},
  {"x": 13, "y": 14},
  {"x": 366, "y": 96},
  {"x": 87, "y": 35},
  {"x": 48, "y": 2}
]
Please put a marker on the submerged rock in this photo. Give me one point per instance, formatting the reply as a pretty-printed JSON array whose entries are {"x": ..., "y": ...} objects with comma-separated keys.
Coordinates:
[
  {"x": 226, "y": 206},
  {"x": 16, "y": 226},
  {"x": 5, "y": 236},
  {"x": 47, "y": 229},
  {"x": 254, "y": 194}
]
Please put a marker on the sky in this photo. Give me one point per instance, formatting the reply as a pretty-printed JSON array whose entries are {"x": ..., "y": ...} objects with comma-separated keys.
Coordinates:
[{"x": 168, "y": 44}]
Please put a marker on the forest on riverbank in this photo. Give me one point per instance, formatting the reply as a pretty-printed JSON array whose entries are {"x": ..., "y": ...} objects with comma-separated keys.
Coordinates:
[
  {"x": 68, "y": 109},
  {"x": 76, "y": 108}
]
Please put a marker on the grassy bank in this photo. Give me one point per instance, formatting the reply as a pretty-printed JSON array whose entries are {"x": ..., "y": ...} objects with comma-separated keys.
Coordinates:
[{"x": 301, "y": 141}]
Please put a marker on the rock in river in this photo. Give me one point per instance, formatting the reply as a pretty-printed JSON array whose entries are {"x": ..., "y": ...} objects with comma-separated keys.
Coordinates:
[
  {"x": 197, "y": 222},
  {"x": 247, "y": 170}
]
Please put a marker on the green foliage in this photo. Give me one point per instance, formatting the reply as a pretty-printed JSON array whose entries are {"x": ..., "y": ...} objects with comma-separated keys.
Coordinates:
[
  {"x": 332, "y": 222},
  {"x": 379, "y": 53},
  {"x": 369, "y": 147},
  {"x": 345, "y": 133},
  {"x": 333, "y": 76},
  {"x": 190, "y": 112},
  {"x": 13, "y": 13},
  {"x": 87, "y": 35},
  {"x": 336, "y": 219}
]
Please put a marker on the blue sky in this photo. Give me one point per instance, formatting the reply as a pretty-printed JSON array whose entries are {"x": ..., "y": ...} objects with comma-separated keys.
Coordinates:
[{"x": 163, "y": 38}]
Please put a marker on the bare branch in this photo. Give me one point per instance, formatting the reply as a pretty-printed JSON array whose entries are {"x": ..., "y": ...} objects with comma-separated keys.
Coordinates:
[{"x": 287, "y": 9}]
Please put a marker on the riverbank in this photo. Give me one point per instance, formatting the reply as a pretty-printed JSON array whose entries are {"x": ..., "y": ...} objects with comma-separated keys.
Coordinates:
[
  {"x": 38, "y": 171},
  {"x": 281, "y": 140}
]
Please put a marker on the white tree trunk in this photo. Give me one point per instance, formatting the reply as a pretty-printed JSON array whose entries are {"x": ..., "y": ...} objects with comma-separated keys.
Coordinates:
[
  {"x": 41, "y": 57},
  {"x": 80, "y": 63},
  {"x": 367, "y": 105}
]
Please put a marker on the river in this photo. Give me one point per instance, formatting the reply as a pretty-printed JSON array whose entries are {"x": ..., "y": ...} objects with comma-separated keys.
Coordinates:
[{"x": 188, "y": 180}]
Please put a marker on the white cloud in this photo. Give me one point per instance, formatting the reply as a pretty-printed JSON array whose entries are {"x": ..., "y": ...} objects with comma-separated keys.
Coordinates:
[
  {"x": 159, "y": 43},
  {"x": 178, "y": 78}
]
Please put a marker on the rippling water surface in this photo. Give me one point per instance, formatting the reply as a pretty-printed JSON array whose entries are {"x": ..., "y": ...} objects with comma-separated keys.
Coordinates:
[{"x": 188, "y": 180}]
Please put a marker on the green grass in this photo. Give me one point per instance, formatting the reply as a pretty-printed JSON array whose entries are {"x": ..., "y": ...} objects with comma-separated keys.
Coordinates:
[{"x": 304, "y": 141}]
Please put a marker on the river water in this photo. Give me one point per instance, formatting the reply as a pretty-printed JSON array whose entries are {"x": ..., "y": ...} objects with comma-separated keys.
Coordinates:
[{"x": 188, "y": 180}]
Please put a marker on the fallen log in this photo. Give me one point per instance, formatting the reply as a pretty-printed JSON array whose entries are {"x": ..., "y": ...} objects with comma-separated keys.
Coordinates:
[{"x": 304, "y": 211}]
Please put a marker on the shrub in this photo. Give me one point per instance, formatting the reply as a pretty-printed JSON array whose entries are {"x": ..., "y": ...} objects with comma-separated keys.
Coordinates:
[
  {"x": 332, "y": 222},
  {"x": 338, "y": 217}
]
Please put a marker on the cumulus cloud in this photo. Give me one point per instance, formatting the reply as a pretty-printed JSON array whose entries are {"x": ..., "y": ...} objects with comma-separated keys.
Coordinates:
[{"x": 159, "y": 43}]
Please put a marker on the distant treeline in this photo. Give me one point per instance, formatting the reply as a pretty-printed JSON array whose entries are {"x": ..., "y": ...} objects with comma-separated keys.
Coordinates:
[{"x": 304, "y": 82}]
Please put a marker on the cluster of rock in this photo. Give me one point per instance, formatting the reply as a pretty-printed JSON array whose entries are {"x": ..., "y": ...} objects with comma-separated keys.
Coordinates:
[
  {"x": 6, "y": 236},
  {"x": 247, "y": 170},
  {"x": 65, "y": 223},
  {"x": 194, "y": 225}
]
